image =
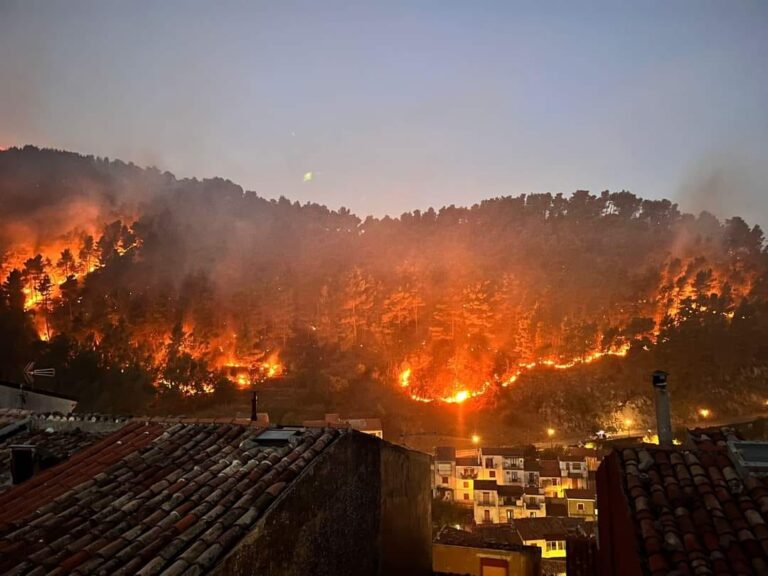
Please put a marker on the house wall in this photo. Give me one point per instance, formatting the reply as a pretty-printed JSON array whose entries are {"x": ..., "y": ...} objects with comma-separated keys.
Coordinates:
[
  {"x": 10, "y": 397},
  {"x": 466, "y": 560},
  {"x": 617, "y": 541},
  {"x": 589, "y": 509},
  {"x": 362, "y": 508}
]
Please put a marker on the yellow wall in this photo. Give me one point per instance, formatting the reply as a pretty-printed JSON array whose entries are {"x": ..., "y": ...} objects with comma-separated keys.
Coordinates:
[
  {"x": 465, "y": 560},
  {"x": 589, "y": 509},
  {"x": 543, "y": 545}
]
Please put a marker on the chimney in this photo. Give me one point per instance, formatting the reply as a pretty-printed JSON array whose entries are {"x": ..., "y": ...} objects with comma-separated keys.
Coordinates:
[
  {"x": 254, "y": 415},
  {"x": 22, "y": 463},
  {"x": 663, "y": 418}
]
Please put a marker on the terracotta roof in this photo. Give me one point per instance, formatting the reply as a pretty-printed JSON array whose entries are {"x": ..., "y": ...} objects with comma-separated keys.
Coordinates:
[
  {"x": 693, "y": 512},
  {"x": 713, "y": 437},
  {"x": 151, "y": 498},
  {"x": 580, "y": 494},
  {"x": 57, "y": 445},
  {"x": 497, "y": 539},
  {"x": 12, "y": 415},
  {"x": 445, "y": 454},
  {"x": 572, "y": 458},
  {"x": 549, "y": 469},
  {"x": 486, "y": 485},
  {"x": 548, "y": 527},
  {"x": 510, "y": 490},
  {"x": 531, "y": 465}
]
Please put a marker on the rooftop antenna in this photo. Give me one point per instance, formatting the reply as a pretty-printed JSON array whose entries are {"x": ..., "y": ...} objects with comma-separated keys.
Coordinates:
[{"x": 29, "y": 377}]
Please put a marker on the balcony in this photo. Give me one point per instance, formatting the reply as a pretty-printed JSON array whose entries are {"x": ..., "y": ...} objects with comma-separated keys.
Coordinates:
[
  {"x": 532, "y": 506},
  {"x": 468, "y": 475}
]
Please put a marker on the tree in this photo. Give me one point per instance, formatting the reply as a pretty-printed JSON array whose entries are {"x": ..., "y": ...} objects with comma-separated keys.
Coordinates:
[{"x": 357, "y": 304}]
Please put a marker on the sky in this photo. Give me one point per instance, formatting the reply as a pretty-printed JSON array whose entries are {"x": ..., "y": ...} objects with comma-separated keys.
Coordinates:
[{"x": 394, "y": 106}]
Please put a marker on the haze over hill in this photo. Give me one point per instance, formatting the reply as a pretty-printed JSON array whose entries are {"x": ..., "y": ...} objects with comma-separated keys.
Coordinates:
[{"x": 150, "y": 292}]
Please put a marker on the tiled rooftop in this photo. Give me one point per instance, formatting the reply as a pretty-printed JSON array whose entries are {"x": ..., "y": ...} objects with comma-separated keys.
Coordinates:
[
  {"x": 152, "y": 498},
  {"x": 58, "y": 446},
  {"x": 467, "y": 461},
  {"x": 11, "y": 415},
  {"x": 445, "y": 454},
  {"x": 549, "y": 528},
  {"x": 505, "y": 452},
  {"x": 580, "y": 494},
  {"x": 693, "y": 513},
  {"x": 549, "y": 469}
]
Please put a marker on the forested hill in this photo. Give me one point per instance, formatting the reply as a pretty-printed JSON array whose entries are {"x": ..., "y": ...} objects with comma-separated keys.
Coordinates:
[{"x": 142, "y": 288}]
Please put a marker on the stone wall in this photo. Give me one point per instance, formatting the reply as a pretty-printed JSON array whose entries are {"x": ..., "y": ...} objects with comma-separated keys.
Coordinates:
[{"x": 361, "y": 508}]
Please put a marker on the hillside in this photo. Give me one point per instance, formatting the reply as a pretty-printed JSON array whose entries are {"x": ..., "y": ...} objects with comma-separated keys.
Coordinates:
[{"x": 148, "y": 292}]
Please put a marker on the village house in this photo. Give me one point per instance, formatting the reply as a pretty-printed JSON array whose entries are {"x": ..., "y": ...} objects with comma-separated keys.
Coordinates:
[
  {"x": 581, "y": 503},
  {"x": 472, "y": 553},
  {"x": 211, "y": 496},
  {"x": 498, "y": 503},
  {"x": 467, "y": 471},
  {"x": 444, "y": 472},
  {"x": 505, "y": 465},
  {"x": 550, "y": 478},
  {"x": 550, "y": 535}
]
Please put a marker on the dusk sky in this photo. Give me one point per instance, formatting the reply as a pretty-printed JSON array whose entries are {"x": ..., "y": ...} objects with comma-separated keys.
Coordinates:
[{"x": 402, "y": 105}]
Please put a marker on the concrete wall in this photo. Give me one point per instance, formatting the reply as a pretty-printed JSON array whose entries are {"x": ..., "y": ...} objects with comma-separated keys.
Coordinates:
[
  {"x": 361, "y": 508},
  {"x": 10, "y": 397},
  {"x": 467, "y": 560}
]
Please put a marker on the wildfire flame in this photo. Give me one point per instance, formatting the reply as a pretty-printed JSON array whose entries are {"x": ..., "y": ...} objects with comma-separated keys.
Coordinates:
[{"x": 462, "y": 394}]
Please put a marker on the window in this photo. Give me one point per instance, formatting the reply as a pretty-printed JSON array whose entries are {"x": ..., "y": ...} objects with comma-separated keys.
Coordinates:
[
  {"x": 561, "y": 545},
  {"x": 445, "y": 479},
  {"x": 551, "y": 546},
  {"x": 580, "y": 506},
  {"x": 510, "y": 515},
  {"x": 466, "y": 484},
  {"x": 487, "y": 498},
  {"x": 489, "y": 463},
  {"x": 492, "y": 473},
  {"x": 531, "y": 514},
  {"x": 487, "y": 516},
  {"x": 513, "y": 475},
  {"x": 466, "y": 496}
]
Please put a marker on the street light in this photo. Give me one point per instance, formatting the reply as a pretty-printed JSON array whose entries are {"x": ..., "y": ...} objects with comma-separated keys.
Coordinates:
[
  {"x": 475, "y": 439},
  {"x": 705, "y": 412},
  {"x": 628, "y": 425},
  {"x": 551, "y": 435}
]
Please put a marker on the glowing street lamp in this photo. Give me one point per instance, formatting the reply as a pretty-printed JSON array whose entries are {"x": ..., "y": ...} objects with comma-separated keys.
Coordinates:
[
  {"x": 475, "y": 439},
  {"x": 705, "y": 412},
  {"x": 551, "y": 435},
  {"x": 628, "y": 426}
]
